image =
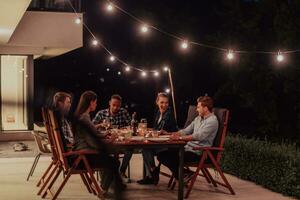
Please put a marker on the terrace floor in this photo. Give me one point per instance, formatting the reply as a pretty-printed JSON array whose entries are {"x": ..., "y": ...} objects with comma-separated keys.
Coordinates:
[{"x": 14, "y": 167}]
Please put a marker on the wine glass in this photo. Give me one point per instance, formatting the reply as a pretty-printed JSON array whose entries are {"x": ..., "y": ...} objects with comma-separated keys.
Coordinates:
[{"x": 106, "y": 123}]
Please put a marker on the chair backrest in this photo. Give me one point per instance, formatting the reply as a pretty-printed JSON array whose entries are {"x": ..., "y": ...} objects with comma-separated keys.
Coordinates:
[
  {"x": 56, "y": 134},
  {"x": 46, "y": 121},
  {"x": 192, "y": 114},
  {"x": 222, "y": 115},
  {"x": 41, "y": 142}
]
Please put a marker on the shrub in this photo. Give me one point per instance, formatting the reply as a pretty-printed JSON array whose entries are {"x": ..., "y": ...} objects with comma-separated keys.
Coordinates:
[{"x": 274, "y": 166}]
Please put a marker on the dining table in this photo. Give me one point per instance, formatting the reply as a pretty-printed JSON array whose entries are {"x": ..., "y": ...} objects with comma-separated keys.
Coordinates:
[{"x": 158, "y": 142}]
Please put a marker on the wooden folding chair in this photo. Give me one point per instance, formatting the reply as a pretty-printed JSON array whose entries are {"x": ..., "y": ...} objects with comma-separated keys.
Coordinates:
[
  {"x": 48, "y": 174},
  {"x": 69, "y": 166},
  {"x": 210, "y": 157}
]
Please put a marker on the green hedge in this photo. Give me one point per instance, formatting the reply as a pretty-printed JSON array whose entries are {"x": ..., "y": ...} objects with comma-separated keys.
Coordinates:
[{"x": 273, "y": 166}]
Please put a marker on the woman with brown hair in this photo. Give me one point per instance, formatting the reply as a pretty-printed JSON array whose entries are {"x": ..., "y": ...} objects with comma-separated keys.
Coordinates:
[{"x": 87, "y": 138}]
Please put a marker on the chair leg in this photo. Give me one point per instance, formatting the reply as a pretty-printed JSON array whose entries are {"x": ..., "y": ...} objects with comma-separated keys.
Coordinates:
[
  {"x": 218, "y": 168},
  {"x": 36, "y": 159},
  {"x": 92, "y": 178},
  {"x": 62, "y": 185},
  {"x": 205, "y": 175},
  {"x": 225, "y": 180},
  {"x": 170, "y": 181},
  {"x": 45, "y": 174},
  {"x": 90, "y": 183},
  {"x": 48, "y": 179},
  {"x": 173, "y": 184},
  {"x": 204, "y": 155},
  {"x": 83, "y": 178},
  {"x": 210, "y": 177},
  {"x": 52, "y": 182}
]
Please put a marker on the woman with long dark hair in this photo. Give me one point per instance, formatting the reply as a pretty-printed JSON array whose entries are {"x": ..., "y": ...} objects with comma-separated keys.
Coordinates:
[{"x": 87, "y": 138}]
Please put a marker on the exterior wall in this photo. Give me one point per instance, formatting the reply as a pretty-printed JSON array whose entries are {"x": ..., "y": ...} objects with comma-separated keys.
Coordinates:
[{"x": 16, "y": 92}]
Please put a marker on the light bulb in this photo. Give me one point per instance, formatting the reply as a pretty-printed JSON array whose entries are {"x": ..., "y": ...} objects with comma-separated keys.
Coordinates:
[
  {"x": 280, "y": 57},
  {"x": 166, "y": 68},
  {"x": 144, "y": 74},
  {"x": 109, "y": 7},
  {"x": 230, "y": 55},
  {"x": 95, "y": 42},
  {"x": 127, "y": 69},
  {"x": 167, "y": 90},
  {"x": 112, "y": 58},
  {"x": 144, "y": 28},
  {"x": 156, "y": 73},
  {"x": 78, "y": 20},
  {"x": 184, "y": 44}
]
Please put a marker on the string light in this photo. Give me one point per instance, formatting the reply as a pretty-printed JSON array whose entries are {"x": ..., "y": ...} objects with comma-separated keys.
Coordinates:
[
  {"x": 77, "y": 20},
  {"x": 109, "y": 7},
  {"x": 230, "y": 55},
  {"x": 112, "y": 58},
  {"x": 166, "y": 68},
  {"x": 127, "y": 68},
  {"x": 279, "y": 57},
  {"x": 95, "y": 42},
  {"x": 144, "y": 74},
  {"x": 167, "y": 90},
  {"x": 184, "y": 45},
  {"x": 156, "y": 74},
  {"x": 107, "y": 69},
  {"x": 119, "y": 73},
  {"x": 144, "y": 28}
]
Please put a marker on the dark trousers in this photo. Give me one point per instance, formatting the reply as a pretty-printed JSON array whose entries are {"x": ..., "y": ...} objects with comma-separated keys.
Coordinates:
[
  {"x": 110, "y": 173},
  {"x": 126, "y": 160},
  {"x": 170, "y": 159}
]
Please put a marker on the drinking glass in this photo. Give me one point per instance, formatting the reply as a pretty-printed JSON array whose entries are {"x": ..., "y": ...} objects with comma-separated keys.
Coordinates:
[{"x": 106, "y": 123}]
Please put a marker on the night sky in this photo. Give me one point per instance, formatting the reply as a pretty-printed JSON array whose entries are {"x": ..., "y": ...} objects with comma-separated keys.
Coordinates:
[{"x": 196, "y": 72}]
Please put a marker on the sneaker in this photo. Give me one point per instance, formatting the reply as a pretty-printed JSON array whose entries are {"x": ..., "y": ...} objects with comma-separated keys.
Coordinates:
[{"x": 146, "y": 181}]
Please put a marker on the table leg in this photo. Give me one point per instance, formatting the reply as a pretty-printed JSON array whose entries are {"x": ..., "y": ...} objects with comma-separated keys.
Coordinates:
[{"x": 180, "y": 175}]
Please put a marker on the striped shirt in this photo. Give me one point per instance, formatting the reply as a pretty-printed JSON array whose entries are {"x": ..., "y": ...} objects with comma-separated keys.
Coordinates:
[{"x": 203, "y": 131}]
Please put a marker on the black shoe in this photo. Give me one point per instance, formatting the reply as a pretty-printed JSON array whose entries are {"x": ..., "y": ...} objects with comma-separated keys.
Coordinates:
[
  {"x": 146, "y": 181},
  {"x": 155, "y": 175}
]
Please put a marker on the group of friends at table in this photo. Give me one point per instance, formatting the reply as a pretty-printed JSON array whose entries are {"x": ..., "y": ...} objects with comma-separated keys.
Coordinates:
[{"x": 83, "y": 133}]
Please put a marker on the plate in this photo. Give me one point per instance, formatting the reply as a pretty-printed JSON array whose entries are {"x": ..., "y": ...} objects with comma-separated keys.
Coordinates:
[
  {"x": 164, "y": 136},
  {"x": 137, "y": 138},
  {"x": 160, "y": 139}
]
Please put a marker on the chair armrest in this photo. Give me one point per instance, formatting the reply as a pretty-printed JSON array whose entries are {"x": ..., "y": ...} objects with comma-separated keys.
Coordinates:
[
  {"x": 80, "y": 152},
  {"x": 209, "y": 148}
]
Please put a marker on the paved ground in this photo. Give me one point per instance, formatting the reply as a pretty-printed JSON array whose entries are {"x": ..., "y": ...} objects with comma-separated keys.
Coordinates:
[{"x": 14, "y": 168}]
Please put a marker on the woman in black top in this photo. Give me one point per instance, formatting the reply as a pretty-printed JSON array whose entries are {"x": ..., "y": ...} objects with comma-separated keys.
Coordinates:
[{"x": 164, "y": 121}]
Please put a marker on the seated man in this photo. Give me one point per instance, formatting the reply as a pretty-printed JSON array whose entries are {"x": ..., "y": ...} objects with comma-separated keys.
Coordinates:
[
  {"x": 201, "y": 132},
  {"x": 119, "y": 117},
  {"x": 62, "y": 105}
]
